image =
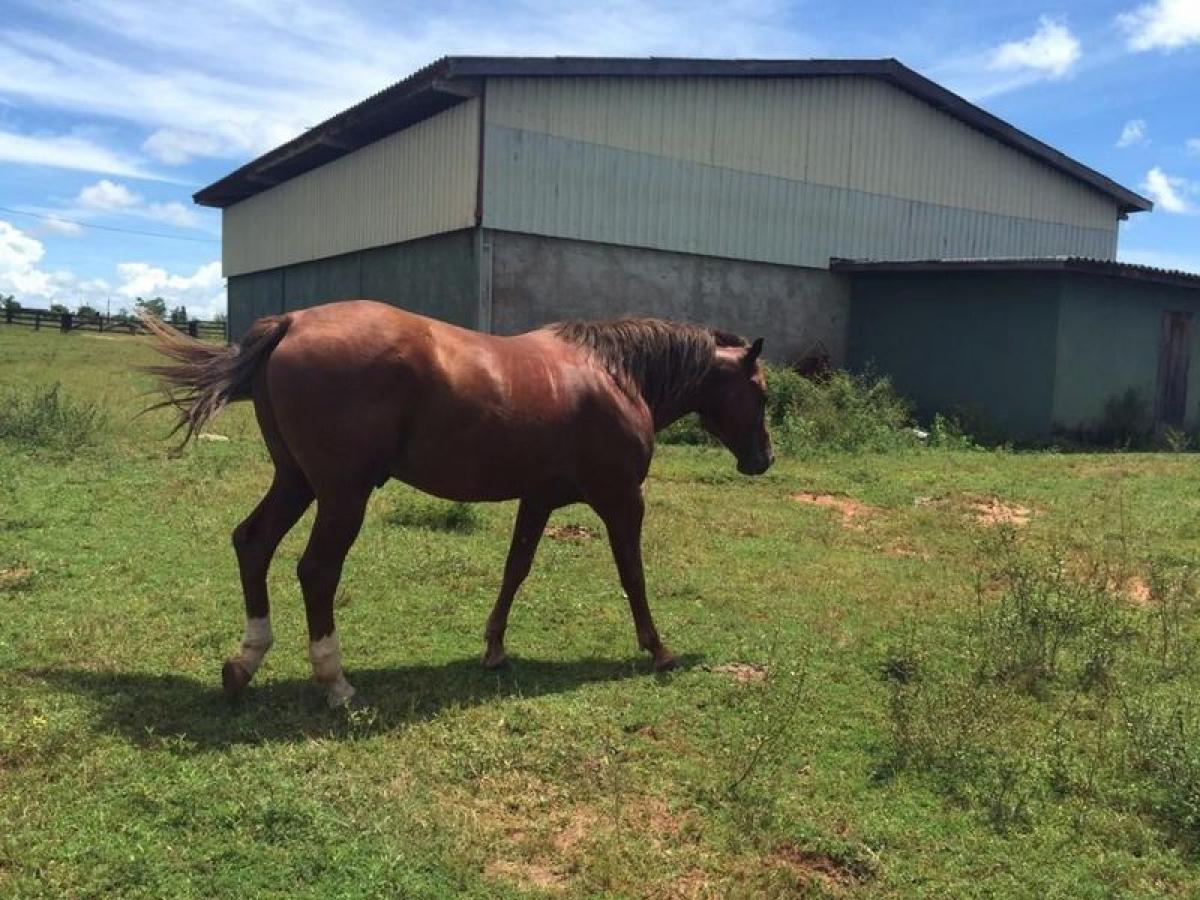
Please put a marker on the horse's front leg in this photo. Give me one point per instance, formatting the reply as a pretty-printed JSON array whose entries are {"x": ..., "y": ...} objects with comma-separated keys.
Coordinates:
[
  {"x": 622, "y": 518},
  {"x": 532, "y": 516}
]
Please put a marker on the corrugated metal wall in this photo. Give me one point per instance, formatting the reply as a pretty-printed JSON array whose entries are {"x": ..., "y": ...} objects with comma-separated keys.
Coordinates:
[
  {"x": 417, "y": 182},
  {"x": 434, "y": 276},
  {"x": 779, "y": 170}
]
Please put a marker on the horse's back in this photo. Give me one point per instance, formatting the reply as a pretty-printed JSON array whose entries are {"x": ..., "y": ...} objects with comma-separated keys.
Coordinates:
[{"x": 452, "y": 411}]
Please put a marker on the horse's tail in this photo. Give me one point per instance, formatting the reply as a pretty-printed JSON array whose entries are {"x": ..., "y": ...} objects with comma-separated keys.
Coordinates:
[{"x": 207, "y": 376}]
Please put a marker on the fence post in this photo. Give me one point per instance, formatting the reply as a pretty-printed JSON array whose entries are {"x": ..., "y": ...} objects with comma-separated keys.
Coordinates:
[
  {"x": 64, "y": 322},
  {"x": 37, "y": 321},
  {"x": 193, "y": 328},
  {"x": 8, "y": 315}
]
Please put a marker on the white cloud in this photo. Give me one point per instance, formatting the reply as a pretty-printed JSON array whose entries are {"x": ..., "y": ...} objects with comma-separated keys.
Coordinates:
[
  {"x": 202, "y": 292},
  {"x": 18, "y": 251},
  {"x": 172, "y": 213},
  {"x": 239, "y": 82},
  {"x": 69, "y": 152},
  {"x": 20, "y": 270},
  {"x": 1133, "y": 134},
  {"x": 1051, "y": 51},
  {"x": 106, "y": 195},
  {"x": 1168, "y": 192},
  {"x": 112, "y": 198},
  {"x": 22, "y": 273},
  {"x": 175, "y": 147},
  {"x": 61, "y": 226},
  {"x": 1162, "y": 25}
]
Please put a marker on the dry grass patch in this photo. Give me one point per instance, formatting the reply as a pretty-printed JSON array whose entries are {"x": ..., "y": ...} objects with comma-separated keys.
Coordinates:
[
  {"x": 812, "y": 867},
  {"x": 903, "y": 550},
  {"x": 15, "y": 577},
  {"x": 540, "y": 838},
  {"x": 993, "y": 511},
  {"x": 525, "y": 875},
  {"x": 853, "y": 512},
  {"x": 743, "y": 673},
  {"x": 575, "y": 533},
  {"x": 989, "y": 512}
]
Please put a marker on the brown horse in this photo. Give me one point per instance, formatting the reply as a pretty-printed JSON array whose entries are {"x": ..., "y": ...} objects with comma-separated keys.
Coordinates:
[{"x": 351, "y": 394}]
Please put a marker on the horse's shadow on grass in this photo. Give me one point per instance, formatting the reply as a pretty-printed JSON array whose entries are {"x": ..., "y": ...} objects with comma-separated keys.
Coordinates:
[{"x": 191, "y": 715}]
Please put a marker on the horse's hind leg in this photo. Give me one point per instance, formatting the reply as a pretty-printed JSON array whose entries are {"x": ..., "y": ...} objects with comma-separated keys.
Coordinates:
[
  {"x": 255, "y": 541},
  {"x": 339, "y": 518},
  {"x": 531, "y": 522}
]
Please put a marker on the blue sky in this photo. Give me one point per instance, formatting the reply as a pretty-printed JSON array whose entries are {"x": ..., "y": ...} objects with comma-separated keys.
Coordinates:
[{"x": 112, "y": 112}]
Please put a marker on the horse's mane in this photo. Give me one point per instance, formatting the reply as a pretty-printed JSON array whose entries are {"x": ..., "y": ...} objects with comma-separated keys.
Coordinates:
[{"x": 661, "y": 361}]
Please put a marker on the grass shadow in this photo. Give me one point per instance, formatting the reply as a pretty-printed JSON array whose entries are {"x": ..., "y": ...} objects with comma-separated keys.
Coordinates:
[{"x": 190, "y": 715}]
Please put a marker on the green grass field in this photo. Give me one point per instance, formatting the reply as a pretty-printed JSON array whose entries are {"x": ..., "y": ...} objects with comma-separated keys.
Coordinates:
[{"x": 857, "y": 713}]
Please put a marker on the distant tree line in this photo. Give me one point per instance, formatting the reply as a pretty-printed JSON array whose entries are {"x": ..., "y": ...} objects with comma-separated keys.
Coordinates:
[{"x": 156, "y": 306}]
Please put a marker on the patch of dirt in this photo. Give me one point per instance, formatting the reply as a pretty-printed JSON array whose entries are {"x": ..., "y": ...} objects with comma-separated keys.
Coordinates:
[
  {"x": 743, "y": 673},
  {"x": 695, "y": 884},
  {"x": 900, "y": 550},
  {"x": 212, "y": 438},
  {"x": 657, "y": 815},
  {"x": 525, "y": 875},
  {"x": 852, "y": 511},
  {"x": 1136, "y": 590},
  {"x": 576, "y": 533},
  {"x": 811, "y": 865},
  {"x": 578, "y": 826},
  {"x": 15, "y": 577},
  {"x": 986, "y": 511},
  {"x": 993, "y": 511}
]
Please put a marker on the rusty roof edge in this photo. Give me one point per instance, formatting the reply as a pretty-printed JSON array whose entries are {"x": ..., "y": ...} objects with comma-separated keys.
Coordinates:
[
  {"x": 240, "y": 183},
  {"x": 1081, "y": 264}
]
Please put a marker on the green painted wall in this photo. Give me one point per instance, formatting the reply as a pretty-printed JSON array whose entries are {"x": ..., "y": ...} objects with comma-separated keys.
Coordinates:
[
  {"x": 436, "y": 276},
  {"x": 981, "y": 344},
  {"x": 1108, "y": 342},
  {"x": 252, "y": 297}
]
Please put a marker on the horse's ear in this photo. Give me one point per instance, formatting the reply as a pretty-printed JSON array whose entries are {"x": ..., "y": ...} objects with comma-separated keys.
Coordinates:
[{"x": 753, "y": 353}]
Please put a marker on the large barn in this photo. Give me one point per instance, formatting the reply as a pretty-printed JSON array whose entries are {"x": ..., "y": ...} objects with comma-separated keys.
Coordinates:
[{"x": 502, "y": 193}]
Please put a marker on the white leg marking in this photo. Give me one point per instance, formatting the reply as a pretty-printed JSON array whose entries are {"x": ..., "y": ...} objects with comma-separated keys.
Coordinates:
[
  {"x": 256, "y": 643},
  {"x": 326, "y": 658}
]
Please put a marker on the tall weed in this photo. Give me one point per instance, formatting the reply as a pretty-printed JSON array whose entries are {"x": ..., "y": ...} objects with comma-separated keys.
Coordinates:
[{"x": 46, "y": 418}]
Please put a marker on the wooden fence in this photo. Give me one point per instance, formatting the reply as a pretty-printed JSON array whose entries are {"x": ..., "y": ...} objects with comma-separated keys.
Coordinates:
[{"x": 66, "y": 322}]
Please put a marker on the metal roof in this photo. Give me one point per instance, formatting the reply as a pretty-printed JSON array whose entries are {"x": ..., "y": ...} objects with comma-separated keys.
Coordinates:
[
  {"x": 1081, "y": 264},
  {"x": 452, "y": 79}
]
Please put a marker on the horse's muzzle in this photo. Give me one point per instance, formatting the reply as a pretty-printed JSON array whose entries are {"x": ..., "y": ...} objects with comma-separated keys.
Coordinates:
[{"x": 756, "y": 466}]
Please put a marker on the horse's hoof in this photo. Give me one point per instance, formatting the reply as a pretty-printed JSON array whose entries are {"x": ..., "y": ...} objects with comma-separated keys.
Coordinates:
[
  {"x": 493, "y": 661},
  {"x": 234, "y": 678},
  {"x": 665, "y": 662},
  {"x": 352, "y": 704}
]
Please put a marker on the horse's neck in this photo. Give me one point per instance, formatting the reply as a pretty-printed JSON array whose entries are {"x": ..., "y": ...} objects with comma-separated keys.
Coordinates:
[{"x": 673, "y": 410}]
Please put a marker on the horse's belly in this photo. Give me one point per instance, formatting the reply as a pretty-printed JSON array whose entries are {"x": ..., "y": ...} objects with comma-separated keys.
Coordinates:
[{"x": 482, "y": 472}]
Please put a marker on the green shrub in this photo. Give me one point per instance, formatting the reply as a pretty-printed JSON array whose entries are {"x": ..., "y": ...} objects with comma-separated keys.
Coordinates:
[
  {"x": 837, "y": 412},
  {"x": 1165, "y": 747},
  {"x": 45, "y": 418},
  {"x": 840, "y": 412},
  {"x": 1052, "y": 688}
]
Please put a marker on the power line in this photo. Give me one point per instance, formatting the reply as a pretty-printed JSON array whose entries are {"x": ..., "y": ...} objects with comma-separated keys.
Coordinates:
[{"x": 156, "y": 234}]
